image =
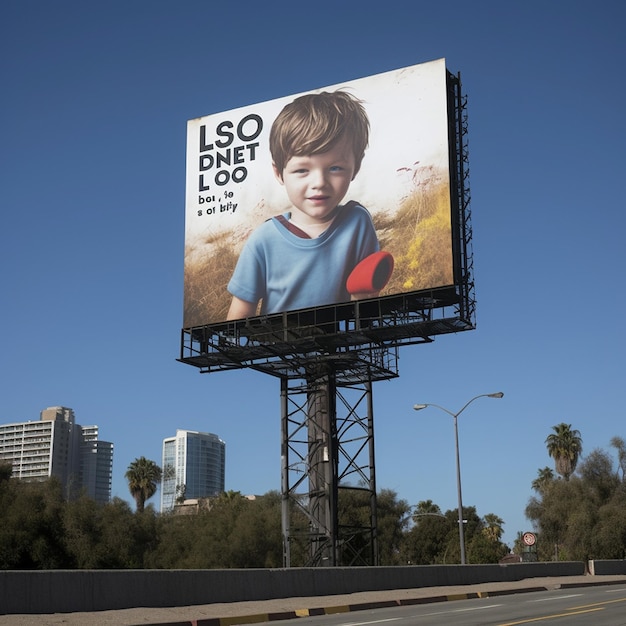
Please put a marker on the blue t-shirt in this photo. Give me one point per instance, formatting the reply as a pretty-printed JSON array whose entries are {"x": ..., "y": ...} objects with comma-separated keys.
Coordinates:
[{"x": 288, "y": 272}]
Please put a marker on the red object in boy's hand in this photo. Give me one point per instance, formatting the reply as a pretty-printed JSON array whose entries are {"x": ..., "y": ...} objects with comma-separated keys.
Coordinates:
[{"x": 371, "y": 274}]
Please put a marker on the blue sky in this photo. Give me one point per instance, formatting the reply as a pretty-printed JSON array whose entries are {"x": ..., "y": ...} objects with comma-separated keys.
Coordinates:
[{"x": 95, "y": 100}]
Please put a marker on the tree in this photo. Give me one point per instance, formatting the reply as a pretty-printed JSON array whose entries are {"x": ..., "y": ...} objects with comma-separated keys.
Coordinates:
[
  {"x": 143, "y": 477},
  {"x": 392, "y": 514},
  {"x": 544, "y": 477},
  {"x": 256, "y": 537},
  {"x": 230, "y": 496},
  {"x": 599, "y": 477},
  {"x": 424, "y": 508},
  {"x": 582, "y": 518},
  {"x": 426, "y": 543},
  {"x": 619, "y": 444},
  {"x": 434, "y": 537},
  {"x": 355, "y": 537},
  {"x": 549, "y": 514},
  {"x": 31, "y": 526},
  {"x": 483, "y": 549},
  {"x": 181, "y": 493},
  {"x": 6, "y": 471},
  {"x": 565, "y": 446},
  {"x": 609, "y": 536},
  {"x": 105, "y": 536},
  {"x": 493, "y": 527}
]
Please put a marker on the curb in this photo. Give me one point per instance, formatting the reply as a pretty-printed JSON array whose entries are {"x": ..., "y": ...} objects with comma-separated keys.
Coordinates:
[{"x": 365, "y": 606}]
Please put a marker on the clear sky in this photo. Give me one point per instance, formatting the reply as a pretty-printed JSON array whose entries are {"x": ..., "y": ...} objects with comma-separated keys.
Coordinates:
[{"x": 95, "y": 101}]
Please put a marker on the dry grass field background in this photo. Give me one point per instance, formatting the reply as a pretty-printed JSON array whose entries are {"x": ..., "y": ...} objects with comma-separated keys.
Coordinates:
[{"x": 417, "y": 234}]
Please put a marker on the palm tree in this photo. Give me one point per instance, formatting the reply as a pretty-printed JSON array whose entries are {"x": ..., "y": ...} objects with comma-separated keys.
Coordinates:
[
  {"x": 230, "y": 496},
  {"x": 565, "y": 446},
  {"x": 143, "y": 477},
  {"x": 425, "y": 508},
  {"x": 544, "y": 477},
  {"x": 493, "y": 526}
]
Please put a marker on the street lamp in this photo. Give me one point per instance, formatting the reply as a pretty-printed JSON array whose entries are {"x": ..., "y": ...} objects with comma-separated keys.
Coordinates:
[{"x": 419, "y": 407}]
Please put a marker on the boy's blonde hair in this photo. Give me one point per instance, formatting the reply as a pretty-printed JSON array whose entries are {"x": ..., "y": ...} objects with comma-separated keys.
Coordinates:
[{"x": 313, "y": 123}]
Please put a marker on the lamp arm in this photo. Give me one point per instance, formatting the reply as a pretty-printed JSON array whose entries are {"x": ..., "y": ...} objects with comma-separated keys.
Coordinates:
[
  {"x": 441, "y": 408},
  {"x": 482, "y": 395}
]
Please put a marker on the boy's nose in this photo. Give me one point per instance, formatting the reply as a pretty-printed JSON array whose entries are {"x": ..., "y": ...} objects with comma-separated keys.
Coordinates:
[{"x": 318, "y": 179}]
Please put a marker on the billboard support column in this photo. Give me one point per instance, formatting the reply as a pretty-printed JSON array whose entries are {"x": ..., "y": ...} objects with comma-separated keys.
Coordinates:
[
  {"x": 372, "y": 470},
  {"x": 328, "y": 487},
  {"x": 284, "y": 471},
  {"x": 322, "y": 462}
]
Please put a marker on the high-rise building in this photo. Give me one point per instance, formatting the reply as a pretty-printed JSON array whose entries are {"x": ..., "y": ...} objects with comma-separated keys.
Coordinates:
[
  {"x": 96, "y": 465},
  {"x": 193, "y": 467},
  {"x": 57, "y": 446}
]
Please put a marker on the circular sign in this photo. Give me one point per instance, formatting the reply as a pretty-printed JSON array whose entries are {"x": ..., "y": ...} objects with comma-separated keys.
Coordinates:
[{"x": 529, "y": 539}]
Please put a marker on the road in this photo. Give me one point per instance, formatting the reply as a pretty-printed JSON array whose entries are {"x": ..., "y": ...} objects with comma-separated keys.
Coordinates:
[
  {"x": 571, "y": 600},
  {"x": 600, "y": 606}
]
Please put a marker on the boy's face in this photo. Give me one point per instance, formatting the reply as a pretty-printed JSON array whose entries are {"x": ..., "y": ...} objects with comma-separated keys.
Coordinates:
[{"x": 317, "y": 183}]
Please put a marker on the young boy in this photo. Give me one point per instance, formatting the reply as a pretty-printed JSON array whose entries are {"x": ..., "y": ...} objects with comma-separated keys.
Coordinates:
[{"x": 303, "y": 258}]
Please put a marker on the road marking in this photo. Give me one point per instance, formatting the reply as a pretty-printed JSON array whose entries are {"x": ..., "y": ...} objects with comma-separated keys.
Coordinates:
[
  {"x": 576, "y": 610},
  {"x": 572, "y": 595},
  {"x": 377, "y": 621},
  {"x": 477, "y": 608},
  {"x": 602, "y": 603},
  {"x": 546, "y": 617}
]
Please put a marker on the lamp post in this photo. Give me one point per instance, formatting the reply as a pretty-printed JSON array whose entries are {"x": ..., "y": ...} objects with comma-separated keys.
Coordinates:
[{"x": 419, "y": 407}]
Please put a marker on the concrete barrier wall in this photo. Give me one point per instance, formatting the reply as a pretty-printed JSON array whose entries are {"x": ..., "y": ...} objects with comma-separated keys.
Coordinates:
[
  {"x": 607, "y": 568},
  {"x": 69, "y": 591}
]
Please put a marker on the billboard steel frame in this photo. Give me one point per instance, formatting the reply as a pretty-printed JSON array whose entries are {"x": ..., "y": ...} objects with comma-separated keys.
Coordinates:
[
  {"x": 327, "y": 451},
  {"x": 326, "y": 355}
]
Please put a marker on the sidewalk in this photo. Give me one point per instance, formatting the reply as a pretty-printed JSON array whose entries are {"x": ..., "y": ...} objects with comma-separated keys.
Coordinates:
[{"x": 269, "y": 610}]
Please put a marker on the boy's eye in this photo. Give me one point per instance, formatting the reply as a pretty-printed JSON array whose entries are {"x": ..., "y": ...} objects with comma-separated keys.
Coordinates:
[{"x": 336, "y": 168}]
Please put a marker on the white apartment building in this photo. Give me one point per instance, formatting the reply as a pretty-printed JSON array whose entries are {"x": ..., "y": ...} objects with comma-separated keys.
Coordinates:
[
  {"x": 193, "y": 466},
  {"x": 57, "y": 446}
]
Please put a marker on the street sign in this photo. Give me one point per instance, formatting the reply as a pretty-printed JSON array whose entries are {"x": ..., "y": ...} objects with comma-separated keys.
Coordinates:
[{"x": 529, "y": 539}]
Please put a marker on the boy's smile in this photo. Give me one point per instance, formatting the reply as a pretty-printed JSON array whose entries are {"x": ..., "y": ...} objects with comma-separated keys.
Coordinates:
[{"x": 317, "y": 183}]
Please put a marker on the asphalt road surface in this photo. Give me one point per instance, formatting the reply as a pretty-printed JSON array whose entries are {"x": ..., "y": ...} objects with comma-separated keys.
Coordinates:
[{"x": 600, "y": 606}]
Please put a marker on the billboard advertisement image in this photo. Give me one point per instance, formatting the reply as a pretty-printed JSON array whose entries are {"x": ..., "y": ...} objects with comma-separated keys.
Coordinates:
[{"x": 319, "y": 198}]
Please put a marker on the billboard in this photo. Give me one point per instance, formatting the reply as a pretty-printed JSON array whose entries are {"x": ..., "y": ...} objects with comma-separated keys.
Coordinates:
[{"x": 319, "y": 198}]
